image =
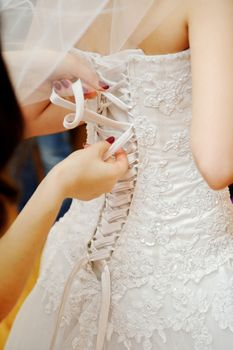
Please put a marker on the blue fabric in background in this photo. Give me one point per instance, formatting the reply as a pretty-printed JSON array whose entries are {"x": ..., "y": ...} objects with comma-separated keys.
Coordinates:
[{"x": 52, "y": 149}]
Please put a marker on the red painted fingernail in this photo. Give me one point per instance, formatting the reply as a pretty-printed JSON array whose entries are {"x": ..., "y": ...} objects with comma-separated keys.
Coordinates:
[
  {"x": 103, "y": 85},
  {"x": 110, "y": 139},
  {"x": 65, "y": 83},
  {"x": 57, "y": 85}
]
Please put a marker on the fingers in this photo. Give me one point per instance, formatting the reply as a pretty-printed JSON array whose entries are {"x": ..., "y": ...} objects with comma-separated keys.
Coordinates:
[
  {"x": 75, "y": 66},
  {"x": 97, "y": 150},
  {"x": 103, "y": 85},
  {"x": 114, "y": 167},
  {"x": 103, "y": 146},
  {"x": 121, "y": 164},
  {"x": 88, "y": 92},
  {"x": 63, "y": 87},
  {"x": 83, "y": 70}
]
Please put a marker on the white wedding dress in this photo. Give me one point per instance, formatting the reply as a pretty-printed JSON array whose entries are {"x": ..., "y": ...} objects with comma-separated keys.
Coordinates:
[{"x": 163, "y": 239}]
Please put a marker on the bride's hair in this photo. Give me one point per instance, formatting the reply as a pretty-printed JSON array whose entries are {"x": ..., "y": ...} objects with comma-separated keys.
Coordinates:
[{"x": 11, "y": 129}]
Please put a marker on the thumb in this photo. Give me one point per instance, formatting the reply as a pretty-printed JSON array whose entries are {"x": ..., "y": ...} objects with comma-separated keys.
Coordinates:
[
  {"x": 101, "y": 147},
  {"x": 105, "y": 146},
  {"x": 121, "y": 162}
]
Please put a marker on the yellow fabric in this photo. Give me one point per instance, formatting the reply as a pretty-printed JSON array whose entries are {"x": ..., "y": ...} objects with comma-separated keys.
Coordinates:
[{"x": 5, "y": 326}]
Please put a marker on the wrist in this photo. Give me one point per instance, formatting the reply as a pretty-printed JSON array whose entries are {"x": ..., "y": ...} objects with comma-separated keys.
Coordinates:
[
  {"x": 59, "y": 181},
  {"x": 51, "y": 189}
]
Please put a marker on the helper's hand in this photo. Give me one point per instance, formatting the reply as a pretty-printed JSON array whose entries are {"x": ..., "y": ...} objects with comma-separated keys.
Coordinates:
[
  {"x": 75, "y": 66},
  {"x": 37, "y": 85},
  {"x": 40, "y": 116},
  {"x": 85, "y": 175}
]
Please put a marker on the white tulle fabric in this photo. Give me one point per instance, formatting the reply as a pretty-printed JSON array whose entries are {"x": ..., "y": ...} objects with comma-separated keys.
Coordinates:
[
  {"x": 36, "y": 36},
  {"x": 171, "y": 269}
]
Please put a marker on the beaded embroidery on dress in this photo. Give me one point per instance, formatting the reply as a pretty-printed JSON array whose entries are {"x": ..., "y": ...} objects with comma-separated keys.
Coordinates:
[{"x": 159, "y": 248}]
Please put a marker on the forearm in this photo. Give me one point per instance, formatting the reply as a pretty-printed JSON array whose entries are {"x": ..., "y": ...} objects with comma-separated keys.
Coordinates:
[
  {"x": 21, "y": 244},
  {"x": 43, "y": 119}
]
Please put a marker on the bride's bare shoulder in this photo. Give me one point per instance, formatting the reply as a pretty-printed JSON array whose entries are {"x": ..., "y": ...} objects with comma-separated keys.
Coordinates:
[
  {"x": 170, "y": 30},
  {"x": 182, "y": 21}
]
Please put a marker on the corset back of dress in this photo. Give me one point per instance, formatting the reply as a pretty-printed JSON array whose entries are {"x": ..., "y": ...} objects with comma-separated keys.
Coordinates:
[
  {"x": 158, "y": 249},
  {"x": 158, "y": 90}
]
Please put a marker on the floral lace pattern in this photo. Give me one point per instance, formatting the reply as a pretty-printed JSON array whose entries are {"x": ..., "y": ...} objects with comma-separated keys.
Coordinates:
[
  {"x": 163, "y": 89},
  {"x": 223, "y": 304},
  {"x": 171, "y": 271},
  {"x": 146, "y": 136}
]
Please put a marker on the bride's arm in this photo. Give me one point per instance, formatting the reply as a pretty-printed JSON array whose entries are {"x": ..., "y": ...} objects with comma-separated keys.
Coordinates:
[
  {"x": 211, "y": 35},
  {"x": 82, "y": 175}
]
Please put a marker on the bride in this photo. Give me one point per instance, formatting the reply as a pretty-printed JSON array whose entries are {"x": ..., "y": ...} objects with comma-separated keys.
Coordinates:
[{"x": 149, "y": 265}]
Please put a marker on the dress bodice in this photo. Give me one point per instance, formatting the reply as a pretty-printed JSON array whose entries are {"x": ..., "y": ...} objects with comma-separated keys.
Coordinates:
[
  {"x": 173, "y": 234},
  {"x": 158, "y": 90},
  {"x": 159, "y": 247},
  {"x": 162, "y": 229}
]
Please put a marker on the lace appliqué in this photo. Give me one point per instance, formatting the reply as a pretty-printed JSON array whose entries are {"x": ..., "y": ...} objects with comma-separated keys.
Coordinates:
[
  {"x": 168, "y": 96},
  {"x": 145, "y": 131},
  {"x": 157, "y": 234},
  {"x": 65, "y": 244},
  {"x": 223, "y": 304},
  {"x": 180, "y": 143},
  {"x": 153, "y": 179},
  {"x": 82, "y": 311}
]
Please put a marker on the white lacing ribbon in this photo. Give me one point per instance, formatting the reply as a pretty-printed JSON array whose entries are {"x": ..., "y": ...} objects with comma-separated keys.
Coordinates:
[
  {"x": 101, "y": 246},
  {"x": 105, "y": 303},
  {"x": 81, "y": 113},
  {"x": 65, "y": 295}
]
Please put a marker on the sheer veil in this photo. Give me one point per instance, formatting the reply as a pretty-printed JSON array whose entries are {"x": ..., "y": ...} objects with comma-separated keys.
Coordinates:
[{"x": 37, "y": 34}]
